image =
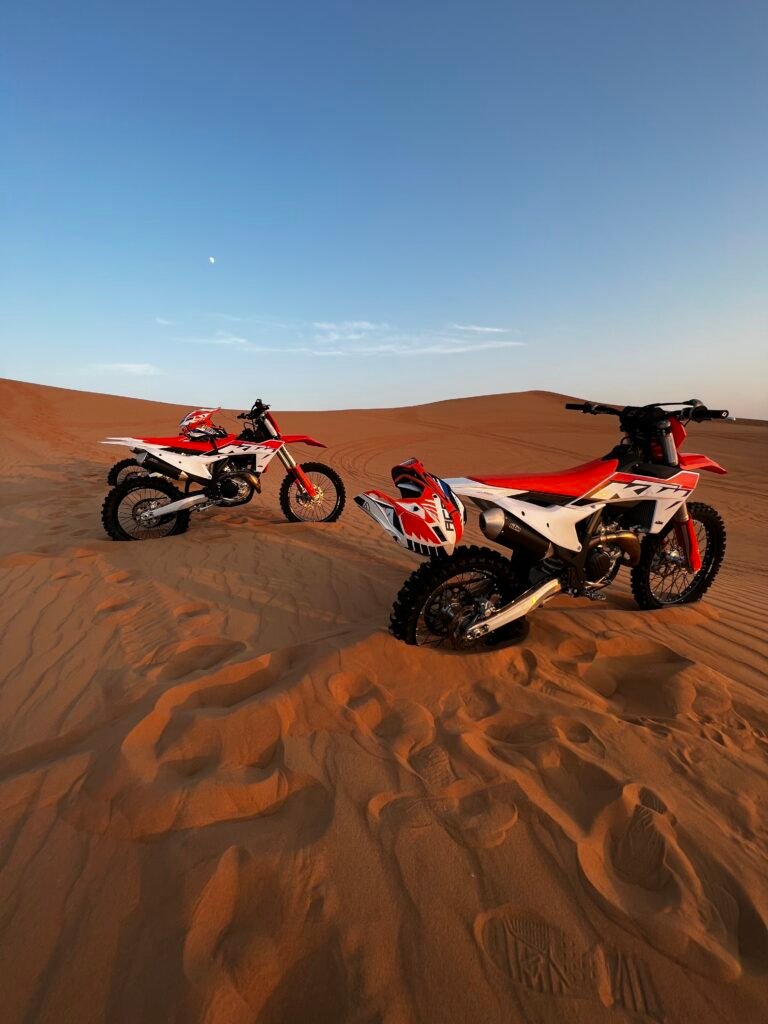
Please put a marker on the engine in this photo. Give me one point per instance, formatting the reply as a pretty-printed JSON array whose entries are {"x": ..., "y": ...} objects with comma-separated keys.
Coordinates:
[
  {"x": 601, "y": 562},
  {"x": 236, "y": 488},
  {"x": 611, "y": 548}
]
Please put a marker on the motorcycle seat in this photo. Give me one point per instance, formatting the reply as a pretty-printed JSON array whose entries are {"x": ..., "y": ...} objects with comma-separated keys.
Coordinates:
[
  {"x": 572, "y": 483},
  {"x": 182, "y": 442}
]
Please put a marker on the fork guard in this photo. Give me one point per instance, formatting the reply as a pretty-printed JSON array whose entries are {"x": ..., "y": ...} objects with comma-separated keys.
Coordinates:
[{"x": 427, "y": 518}]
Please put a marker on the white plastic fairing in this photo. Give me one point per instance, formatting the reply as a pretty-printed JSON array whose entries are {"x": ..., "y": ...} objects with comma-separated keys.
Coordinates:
[
  {"x": 555, "y": 522},
  {"x": 196, "y": 465}
]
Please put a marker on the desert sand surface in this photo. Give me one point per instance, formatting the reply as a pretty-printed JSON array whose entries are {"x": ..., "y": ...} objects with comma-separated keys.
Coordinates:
[{"x": 229, "y": 796}]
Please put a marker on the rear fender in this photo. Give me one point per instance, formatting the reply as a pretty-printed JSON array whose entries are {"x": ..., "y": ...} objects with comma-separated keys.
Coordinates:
[{"x": 427, "y": 518}]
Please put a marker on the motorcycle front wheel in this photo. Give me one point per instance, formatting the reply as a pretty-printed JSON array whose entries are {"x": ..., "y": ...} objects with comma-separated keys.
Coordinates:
[
  {"x": 327, "y": 504},
  {"x": 662, "y": 577},
  {"x": 444, "y": 597}
]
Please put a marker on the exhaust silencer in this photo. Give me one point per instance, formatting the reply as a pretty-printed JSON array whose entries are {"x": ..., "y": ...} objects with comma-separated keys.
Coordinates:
[
  {"x": 153, "y": 465},
  {"x": 503, "y": 528}
]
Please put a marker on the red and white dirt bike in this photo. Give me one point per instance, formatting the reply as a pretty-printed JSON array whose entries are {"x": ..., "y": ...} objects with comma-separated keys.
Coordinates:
[
  {"x": 224, "y": 468},
  {"x": 568, "y": 532}
]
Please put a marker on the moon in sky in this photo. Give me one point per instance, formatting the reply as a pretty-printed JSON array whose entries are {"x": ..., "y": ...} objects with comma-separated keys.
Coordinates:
[{"x": 211, "y": 259}]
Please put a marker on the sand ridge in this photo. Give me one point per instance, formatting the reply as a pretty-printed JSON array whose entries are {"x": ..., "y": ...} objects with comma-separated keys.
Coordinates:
[{"x": 227, "y": 795}]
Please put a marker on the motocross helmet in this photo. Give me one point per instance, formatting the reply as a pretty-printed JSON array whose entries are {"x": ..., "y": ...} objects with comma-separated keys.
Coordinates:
[{"x": 198, "y": 425}]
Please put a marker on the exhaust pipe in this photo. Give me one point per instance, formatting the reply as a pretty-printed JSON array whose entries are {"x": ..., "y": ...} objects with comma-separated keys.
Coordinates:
[
  {"x": 505, "y": 529},
  {"x": 228, "y": 486},
  {"x": 521, "y": 606},
  {"x": 252, "y": 479},
  {"x": 628, "y": 541}
]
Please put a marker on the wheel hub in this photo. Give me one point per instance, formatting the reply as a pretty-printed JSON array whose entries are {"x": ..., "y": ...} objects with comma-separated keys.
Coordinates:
[
  {"x": 308, "y": 499},
  {"x": 452, "y": 612},
  {"x": 142, "y": 509}
]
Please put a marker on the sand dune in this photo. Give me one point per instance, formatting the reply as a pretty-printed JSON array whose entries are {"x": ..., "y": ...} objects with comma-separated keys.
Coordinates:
[{"x": 228, "y": 796}]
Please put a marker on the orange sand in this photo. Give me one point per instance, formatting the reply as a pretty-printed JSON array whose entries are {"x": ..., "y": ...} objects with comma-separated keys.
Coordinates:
[{"x": 228, "y": 796}]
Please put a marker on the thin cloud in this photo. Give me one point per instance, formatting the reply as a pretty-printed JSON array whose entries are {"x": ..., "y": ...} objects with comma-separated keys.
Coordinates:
[
  {"x": 349, "y": 325},
  {"x": 331, "y": 336},
  {"x": 358, "y": 339},
  {"x": 477, "y": 329},
  {"x": 124, "y": 369},
  {"x": 163, "y": 322},
  {"x": 219, "y": 338},
  {"x": 431, "y": 347},
  {"x": 441, "y": 347},
  {"x": 346, "y": 330}
]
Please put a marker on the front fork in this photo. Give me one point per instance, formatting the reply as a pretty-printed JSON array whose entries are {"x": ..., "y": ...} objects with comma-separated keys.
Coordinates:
[
  {"x": 683, "y": 524},
  {"x": 686, "y": 538},
  {"x": 296, "y": 471}
]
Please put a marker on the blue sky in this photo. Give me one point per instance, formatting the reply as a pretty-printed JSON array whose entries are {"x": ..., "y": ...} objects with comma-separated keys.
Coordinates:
[{"x": 404, "y": 201}]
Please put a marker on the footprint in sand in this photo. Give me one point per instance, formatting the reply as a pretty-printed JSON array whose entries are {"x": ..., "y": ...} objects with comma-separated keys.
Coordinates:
[
  {"x": 208, "y": 751},
  {"x": 635, "y": 861},
  {"x": 478, "y": 702},
  {"x": 384, "y": 727},
  {"x": 557, "y": 763},
  {"x": 474, "y": 816},
  {"x": 405, "y": 732},
  {"x": 545, "y": 961},
  {"x": 195, "y": 655}
]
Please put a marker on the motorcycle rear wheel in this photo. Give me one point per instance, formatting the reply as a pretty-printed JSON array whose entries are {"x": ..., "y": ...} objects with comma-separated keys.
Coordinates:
[
  {"x": 441, "y": 600},
  {"x": 124, "y": 470},
  {"x": 121, "y": 511},
  {"x": 660, "y": 578}
]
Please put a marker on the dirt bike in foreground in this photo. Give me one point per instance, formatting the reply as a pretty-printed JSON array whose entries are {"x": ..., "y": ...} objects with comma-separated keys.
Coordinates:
[
  {"x": 568, "y": 532},
  {"x": 215, "y": 468}
]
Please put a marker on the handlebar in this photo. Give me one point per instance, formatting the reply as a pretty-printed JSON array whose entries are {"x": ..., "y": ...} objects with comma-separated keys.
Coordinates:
[
  {"x": 592, "y": 409},
  {"x": 257, "y": 409},
  {"x": 694, "y": 410}
]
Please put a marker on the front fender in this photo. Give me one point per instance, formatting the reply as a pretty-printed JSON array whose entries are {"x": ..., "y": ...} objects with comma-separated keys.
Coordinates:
[
  {"x": 302, "y": 439},
  {"x": 694, "y": 462}
]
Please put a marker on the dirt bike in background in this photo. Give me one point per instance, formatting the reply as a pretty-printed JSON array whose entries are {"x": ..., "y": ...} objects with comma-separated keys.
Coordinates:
[
  {"x": 215, "y": 468},
  {"x": 568, "y": 532}
]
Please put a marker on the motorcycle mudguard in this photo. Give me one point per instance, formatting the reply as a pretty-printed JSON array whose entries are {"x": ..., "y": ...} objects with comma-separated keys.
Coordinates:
[
  {"x": 695, "y": 462},
  {"x": 428, "y": 517},
  {"x": 302, "y": 439}
]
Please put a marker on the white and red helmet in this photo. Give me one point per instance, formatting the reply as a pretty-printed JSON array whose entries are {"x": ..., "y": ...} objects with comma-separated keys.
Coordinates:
[{"x": 199, "y": 424}]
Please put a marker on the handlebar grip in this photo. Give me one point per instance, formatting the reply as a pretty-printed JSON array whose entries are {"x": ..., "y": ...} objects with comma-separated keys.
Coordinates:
[
  {"x": 702, "y": 413},
  {"x": 577, "y": 406}
]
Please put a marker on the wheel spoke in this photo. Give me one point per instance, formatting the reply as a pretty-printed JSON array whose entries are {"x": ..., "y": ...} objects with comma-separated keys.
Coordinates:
[
  {"x": 142, "y": 499},
  {"x": 452, "y": 607},
  {"x": 316, "y": 509}
]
